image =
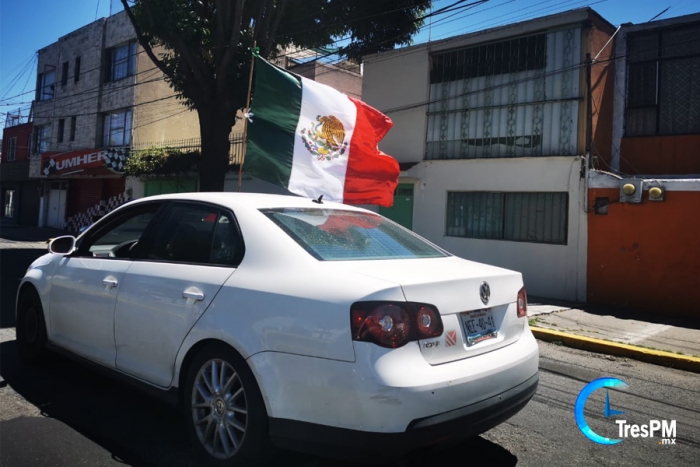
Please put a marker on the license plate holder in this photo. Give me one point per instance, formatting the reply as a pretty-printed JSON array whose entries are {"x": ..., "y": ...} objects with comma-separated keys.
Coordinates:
[{"x": 479, "y": 325}]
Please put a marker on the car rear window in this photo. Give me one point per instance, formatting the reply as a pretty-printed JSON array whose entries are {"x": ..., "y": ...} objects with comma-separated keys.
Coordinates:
[{"x": 334, "y": 234}]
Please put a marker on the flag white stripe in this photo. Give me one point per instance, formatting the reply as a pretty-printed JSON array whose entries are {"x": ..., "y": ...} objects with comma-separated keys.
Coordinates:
[{"x": 310, "y": 176}]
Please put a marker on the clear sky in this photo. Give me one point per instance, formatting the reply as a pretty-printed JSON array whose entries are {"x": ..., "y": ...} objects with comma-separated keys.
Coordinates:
[{"x": 28, "y": 25}]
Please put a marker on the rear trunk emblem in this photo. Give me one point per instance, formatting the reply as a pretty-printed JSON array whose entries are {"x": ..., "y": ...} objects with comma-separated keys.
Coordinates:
[
  {"x": 485, "y": 292},
  {"x": 450, "y": 338}
]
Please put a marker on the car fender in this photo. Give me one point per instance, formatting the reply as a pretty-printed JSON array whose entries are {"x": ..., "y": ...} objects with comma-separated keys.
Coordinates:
[
  {"x": 39, "y": 275},
  {"x": 257, "y": 312}
]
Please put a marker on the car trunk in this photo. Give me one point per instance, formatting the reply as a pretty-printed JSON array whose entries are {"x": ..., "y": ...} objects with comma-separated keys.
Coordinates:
[{"x": 471, "y": 327}]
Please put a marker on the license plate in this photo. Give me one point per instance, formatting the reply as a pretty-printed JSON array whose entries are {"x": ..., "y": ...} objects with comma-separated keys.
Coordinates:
[{"x": 479, "y": 325}]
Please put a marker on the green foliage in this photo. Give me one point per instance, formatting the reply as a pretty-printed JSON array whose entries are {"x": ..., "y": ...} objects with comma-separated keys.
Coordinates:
[{"x": 154, "y": 162}]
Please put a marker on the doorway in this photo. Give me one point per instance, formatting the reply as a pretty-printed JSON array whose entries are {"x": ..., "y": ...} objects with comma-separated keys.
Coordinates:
[
  {"x": 402, "y": 210},
  {"x": 56, "y": 216}
]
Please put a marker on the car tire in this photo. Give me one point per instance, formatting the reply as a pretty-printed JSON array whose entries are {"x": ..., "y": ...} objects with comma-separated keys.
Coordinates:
[
  {"x": 31, "y": 329},
  {"x": 221, "y": 415}
]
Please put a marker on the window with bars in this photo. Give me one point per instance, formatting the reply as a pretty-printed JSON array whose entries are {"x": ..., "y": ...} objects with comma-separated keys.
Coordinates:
[
  {"x": 536, "y": 217},
  {"x": 117, "y": 128},
  {"x": 121, "y": 61},
  {"x": 663, "y": 82},
  {"x": 513, "y": 98}
]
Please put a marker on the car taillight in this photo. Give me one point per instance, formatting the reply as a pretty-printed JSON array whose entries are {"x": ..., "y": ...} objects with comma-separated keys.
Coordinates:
[
  {"x": 394, "y": 324},
  {"x": 522, "y": 303}
]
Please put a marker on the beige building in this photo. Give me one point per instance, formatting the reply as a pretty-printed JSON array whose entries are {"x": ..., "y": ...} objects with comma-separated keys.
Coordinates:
[{"x": 97, "y": 95}]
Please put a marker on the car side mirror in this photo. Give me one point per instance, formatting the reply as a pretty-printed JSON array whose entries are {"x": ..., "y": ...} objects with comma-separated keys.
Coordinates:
[{"x": 62, "y": 245}]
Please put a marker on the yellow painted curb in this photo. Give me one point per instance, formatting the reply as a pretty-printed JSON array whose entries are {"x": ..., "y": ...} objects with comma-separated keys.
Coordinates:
[{"x": 658, "y": 357}]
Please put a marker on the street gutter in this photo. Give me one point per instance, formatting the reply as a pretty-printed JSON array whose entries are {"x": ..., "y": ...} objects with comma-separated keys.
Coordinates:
[{"x": 657, "y": 357}]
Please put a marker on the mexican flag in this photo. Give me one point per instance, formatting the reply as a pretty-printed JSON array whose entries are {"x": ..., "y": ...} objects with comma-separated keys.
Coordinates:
[{"x": 314, "y": 140}]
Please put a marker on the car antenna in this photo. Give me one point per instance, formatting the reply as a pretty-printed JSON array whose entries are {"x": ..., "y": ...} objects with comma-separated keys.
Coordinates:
[{"x": 319, "y": 200}]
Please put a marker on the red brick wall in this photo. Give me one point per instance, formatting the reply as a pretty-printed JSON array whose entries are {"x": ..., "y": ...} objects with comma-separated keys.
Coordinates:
[{"x": 22, "y": 133}]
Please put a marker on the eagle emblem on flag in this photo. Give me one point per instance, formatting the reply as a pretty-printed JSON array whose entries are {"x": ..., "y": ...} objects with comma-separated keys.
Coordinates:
[{"x": 325, "y": 138}]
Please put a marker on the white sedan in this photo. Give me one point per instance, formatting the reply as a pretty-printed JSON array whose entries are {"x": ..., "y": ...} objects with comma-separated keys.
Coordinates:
[{"x": 275, "y": 319}]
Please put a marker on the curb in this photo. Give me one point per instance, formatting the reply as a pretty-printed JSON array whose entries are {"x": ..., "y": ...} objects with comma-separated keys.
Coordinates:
[{"x": 657, "y": 357}]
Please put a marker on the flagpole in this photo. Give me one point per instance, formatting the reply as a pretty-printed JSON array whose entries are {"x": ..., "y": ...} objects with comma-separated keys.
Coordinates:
[{"x": 246, "y": 117}]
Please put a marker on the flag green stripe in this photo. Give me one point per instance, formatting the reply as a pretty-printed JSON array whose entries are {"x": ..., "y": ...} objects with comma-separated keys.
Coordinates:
[{"x": 276, "y": 107}]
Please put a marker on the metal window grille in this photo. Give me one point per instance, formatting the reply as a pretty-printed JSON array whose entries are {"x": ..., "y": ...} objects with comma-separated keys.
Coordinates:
[
  {"x": 535, "y": 217},
  {"x": 663, "y": 82},
  {"x": 514, "y": 98}
]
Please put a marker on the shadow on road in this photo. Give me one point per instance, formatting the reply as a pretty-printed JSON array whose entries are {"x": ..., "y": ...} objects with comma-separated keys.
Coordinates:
[
  {"x": 13, "y": 264},
  {"x": 133, "y": 428}
]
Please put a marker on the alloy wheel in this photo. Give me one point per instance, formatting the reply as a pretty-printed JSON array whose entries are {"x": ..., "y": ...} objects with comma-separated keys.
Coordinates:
[{"x": 219, "y": 409}]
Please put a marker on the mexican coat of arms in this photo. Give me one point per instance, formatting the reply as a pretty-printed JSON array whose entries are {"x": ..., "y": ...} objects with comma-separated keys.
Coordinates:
[{"x": 325, "y": 138}]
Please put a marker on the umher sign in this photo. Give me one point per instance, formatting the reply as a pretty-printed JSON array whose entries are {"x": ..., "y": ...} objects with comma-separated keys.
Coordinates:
[{"x": 106, "y": 161}]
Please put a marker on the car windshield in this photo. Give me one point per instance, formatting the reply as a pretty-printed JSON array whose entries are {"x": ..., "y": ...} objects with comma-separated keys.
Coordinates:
[{"x": 334, "y": 234}]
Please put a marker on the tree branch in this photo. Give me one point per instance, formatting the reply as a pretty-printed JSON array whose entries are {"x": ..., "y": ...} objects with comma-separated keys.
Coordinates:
[
  {"x": 279, "y": 12},
  {"x": 261, "y": 29},
  {"x": 144, "y": 43},
  {"x": 222, "y": 68},
  {"x": 198, "y": 67}
]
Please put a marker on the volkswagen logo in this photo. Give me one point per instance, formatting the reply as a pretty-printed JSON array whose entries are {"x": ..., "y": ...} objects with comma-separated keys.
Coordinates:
[{"x": 485, "y": 292}]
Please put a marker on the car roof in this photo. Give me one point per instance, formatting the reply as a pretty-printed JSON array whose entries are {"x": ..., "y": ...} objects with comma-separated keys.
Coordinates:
[{"x": 250, "y": 200}]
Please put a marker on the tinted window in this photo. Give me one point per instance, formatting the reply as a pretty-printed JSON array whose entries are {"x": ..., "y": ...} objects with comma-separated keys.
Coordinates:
[
  {"x": 190, "y": 233},
  {"x": 331, "y": 234},
  {"x": 119, "y": 237}
]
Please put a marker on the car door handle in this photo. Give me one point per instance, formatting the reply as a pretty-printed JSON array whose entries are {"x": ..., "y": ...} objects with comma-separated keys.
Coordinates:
[
  {"x": 109, "y": 282},
  {"x": 193, "y": 294}
]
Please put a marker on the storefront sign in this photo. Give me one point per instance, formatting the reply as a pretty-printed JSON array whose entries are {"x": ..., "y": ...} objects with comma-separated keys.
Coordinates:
[{"x": 108, "y": 161}]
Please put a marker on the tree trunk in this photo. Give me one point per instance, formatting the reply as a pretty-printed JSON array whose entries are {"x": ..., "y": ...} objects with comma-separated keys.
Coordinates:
[{"x": 214, "y": 129}]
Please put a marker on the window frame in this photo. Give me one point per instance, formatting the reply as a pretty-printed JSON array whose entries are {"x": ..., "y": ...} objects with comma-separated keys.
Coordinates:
[
  {"x": 11, "y": 149},
  {"x": 658, "y": 61},
  {"x": 42, "y": 135},
  {"x": 129, "y": 61},
  {"x": 61, "y": 129},
  {"x": 152, "y": 233},
  {"x": 112, "y": 220},
  {"x": 504, "y": 219},
  {"x": 41, "y": 89},
  {"x": 64, "y": 74},
  {"x": 76, "y": 70},
  {"x": 107, "y": 129},
  {"x": 73, "y": 124}
]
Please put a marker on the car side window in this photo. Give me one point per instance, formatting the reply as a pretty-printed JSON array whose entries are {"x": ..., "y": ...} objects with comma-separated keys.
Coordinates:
[
  {"x": 117, "y": 239},
  {"x": 194, "y": 233}
]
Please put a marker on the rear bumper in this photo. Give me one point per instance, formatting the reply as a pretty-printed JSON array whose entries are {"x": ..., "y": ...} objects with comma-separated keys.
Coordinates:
[{"x": 444, "y": 428}]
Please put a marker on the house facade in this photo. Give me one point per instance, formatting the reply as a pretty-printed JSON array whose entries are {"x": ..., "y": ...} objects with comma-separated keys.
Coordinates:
[
  {"x": 645, "y": 201},
  {"x": 97, "y": 95},
  {"x": 494, "y": 132},
  {"x": 19, "y": 195}
]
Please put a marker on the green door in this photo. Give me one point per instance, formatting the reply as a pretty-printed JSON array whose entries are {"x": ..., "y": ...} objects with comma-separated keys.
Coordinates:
[
  {"x": 164, "y": 187},
  {"x": 402, "y": 210}
]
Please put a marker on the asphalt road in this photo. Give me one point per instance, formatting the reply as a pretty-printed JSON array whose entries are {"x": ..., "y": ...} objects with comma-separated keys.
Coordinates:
[{"x": 66, "y": 415}]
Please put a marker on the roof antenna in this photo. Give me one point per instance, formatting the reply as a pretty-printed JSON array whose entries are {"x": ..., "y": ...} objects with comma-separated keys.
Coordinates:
[{"x": 319, "y": 200}]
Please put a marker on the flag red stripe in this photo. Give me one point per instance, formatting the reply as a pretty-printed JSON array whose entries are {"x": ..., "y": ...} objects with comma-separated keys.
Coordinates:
[{"x": 371, "y": 175}]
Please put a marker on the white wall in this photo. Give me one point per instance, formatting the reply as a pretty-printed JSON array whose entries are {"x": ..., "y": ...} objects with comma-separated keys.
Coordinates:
[{"x": 555, "y": 271}]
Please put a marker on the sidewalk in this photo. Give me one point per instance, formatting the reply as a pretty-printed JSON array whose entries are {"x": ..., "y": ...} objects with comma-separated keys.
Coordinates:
[
  {"x": 618, "y": 331},
  {"x": 17, "y": 233}
]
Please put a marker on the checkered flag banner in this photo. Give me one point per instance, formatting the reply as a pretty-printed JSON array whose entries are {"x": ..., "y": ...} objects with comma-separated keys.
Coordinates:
[
  {"x": 116, "y": 159},
  {"x": 49, "y": 168}
]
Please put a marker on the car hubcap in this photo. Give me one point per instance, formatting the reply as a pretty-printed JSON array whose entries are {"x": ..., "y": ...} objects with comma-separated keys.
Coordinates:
[
  {"x": 31, "y": 325},
  {"x": 219, "y": 409}
]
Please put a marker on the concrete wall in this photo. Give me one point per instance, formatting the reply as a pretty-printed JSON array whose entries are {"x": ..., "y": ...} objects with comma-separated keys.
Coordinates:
[
  {"x": 400, "y": 79},
  {"x": 556, "y": 271},
  {"x": 645, "y": 256}
]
